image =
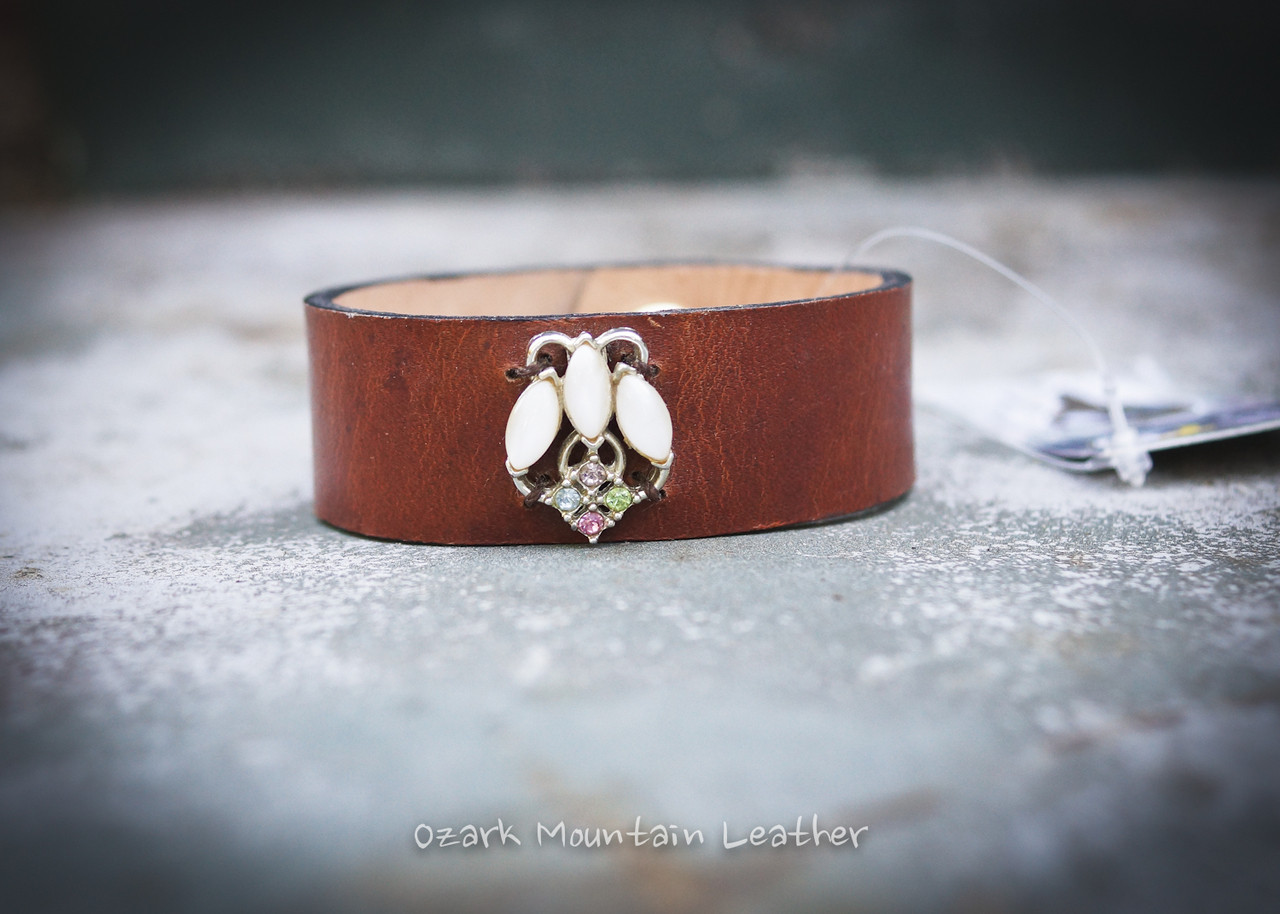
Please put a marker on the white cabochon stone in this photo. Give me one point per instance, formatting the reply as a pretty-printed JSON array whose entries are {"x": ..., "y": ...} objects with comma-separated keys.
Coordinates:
[
  {"x": 533, "y": 424},
  {"x": 644, "y": 418},
  {"x": 588, "y": 391}
]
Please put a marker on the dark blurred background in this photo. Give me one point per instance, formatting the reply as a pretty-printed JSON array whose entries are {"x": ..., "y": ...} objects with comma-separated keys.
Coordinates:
[{"x": 160, "y": 96}]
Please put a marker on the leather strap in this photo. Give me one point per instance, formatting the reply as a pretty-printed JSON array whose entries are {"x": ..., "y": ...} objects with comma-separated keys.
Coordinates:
[{"x": 789, "y": 391}]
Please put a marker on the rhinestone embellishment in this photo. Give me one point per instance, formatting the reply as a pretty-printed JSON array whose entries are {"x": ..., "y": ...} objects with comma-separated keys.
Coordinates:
[
  {"x": 606, "y": 404},
  {"x": 593, "y": 476},
  {"x": 567, "y": 499}
]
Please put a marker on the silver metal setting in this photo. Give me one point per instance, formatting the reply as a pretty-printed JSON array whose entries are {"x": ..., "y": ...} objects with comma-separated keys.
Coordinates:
[{"x": 590, "y": 492}]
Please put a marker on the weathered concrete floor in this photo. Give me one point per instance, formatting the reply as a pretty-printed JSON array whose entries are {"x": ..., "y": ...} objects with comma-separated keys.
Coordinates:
[{"x": 1038, "y": 691}]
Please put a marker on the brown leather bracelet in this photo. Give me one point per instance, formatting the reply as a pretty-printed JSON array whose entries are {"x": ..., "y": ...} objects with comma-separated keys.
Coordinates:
[{"x": 786, "y": 392}]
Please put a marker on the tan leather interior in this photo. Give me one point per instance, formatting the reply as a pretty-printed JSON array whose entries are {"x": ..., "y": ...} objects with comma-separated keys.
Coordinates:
[{"x": 610, "y": 289}]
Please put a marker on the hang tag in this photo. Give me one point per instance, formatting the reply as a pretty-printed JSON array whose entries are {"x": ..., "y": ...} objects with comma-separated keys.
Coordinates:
[
  {"x": 1081, "y": 422},
  {"x": 1062, "y": 419}
]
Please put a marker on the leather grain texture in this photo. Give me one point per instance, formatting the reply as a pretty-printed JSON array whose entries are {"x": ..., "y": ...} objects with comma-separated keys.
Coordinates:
[{"x": 784, "y": 413}]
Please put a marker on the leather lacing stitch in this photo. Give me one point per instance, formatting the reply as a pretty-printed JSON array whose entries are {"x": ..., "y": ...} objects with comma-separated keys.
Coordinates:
[
  {"x": 519, "y": 373},
  {"x": 541, "y": 485},
  {"x": 652, "y": 492},
  {"x": 646, "y": 370}
]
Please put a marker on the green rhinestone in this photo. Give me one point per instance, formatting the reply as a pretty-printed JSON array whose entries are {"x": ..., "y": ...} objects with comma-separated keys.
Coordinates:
[{"x": 618, "y": 499}]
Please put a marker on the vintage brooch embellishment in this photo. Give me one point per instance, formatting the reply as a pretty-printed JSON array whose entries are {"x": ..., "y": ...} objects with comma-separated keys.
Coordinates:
[{"x": 590, "y": 490}]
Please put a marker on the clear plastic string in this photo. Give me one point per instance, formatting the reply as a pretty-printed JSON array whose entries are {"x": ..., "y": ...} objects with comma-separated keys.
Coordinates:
[{"x": 1124, "y": 452}]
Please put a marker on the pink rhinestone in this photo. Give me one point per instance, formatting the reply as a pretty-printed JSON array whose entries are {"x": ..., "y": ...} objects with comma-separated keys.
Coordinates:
[
  {"x": 590, "y": 524},
  {"x": 593, "y": 475}
]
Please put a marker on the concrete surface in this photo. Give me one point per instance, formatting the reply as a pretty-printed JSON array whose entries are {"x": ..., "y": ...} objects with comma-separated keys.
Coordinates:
[{"x": 1036, "y": 691}]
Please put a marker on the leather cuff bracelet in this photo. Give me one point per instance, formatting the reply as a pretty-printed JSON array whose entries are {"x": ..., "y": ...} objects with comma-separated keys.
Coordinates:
[{"x": 615, "y": 403}]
